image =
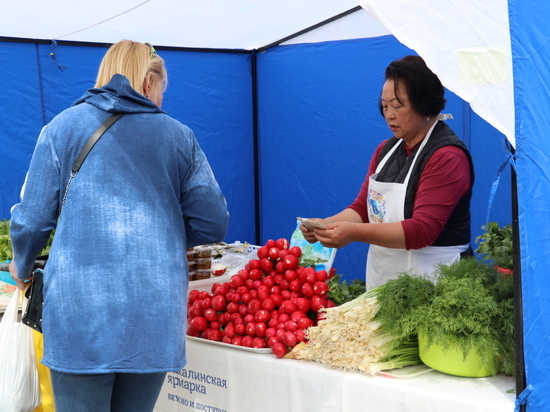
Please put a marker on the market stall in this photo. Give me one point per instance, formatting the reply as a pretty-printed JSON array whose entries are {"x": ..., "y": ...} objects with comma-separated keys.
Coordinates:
[
  {"x": 231, "y": 375},
  {"x": 236, "y": 380},
  {"x": 27, "y": 47}
]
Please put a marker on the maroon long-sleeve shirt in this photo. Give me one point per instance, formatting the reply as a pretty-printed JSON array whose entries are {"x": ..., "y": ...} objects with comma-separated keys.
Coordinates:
[{"x": 444, "y": 180}]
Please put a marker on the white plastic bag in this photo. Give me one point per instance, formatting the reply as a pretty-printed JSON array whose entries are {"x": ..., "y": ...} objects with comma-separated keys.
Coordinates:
[
  {"x": 313, "y": 254},
  {"x": 19, "y": 383}
]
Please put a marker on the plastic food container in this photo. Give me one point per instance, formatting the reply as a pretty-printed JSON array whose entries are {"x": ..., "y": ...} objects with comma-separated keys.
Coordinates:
[
  {"x": 203, "y": 252},
  {"x": 203, "y": 263},
  {"x": 232, "y": 261},
  {"x": 202, "y": 274}
]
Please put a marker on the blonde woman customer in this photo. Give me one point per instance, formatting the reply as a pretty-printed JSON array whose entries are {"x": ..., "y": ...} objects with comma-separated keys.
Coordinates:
[{"x": 114, "y": 318}]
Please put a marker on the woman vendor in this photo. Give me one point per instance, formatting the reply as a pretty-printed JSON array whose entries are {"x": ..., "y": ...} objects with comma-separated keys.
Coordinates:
[{"x": 414, "y": 205}]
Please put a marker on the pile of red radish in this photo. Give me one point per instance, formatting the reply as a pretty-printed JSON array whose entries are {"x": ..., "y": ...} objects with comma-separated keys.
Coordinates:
[{"x": 269, "y": 303}]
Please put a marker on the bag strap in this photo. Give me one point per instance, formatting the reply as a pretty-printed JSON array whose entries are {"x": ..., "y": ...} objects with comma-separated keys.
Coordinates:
[
  {"x": 86, "y": 149},
  {"x": 93, "y": 140}
]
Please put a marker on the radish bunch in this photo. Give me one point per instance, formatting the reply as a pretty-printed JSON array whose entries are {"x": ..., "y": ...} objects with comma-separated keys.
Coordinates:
[{"x": 269, "y": 303}]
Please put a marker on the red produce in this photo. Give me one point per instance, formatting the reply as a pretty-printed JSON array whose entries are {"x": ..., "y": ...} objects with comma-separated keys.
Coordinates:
[
  {"x": 219, "y": 303},
  {"x": 282, "y": 243},
  {"x": 233, "y": 307},
  {"x": 247, "y": 341},
  {"x": 289, "y": 339},
  {"x": 268, "y": 304},
  {"x": 280, "y": 267},
  {"x": 291, "y": 262},
  {"x": 215, "y": 335},
  {"x": 279, "y": 349},
  {"x": 251, "y": 329},
  {"x": 262, "y": 315},
  {"x": 246, "y": 298},
  {"x": 320, "y": 288},
  {"x": 263, "y": 252},
  {"x": 322, "y": 275},
  {"x": 271, "y": 342},
  {"x": 255, "y": 274},
  {"x": 274, "y": 253},
  {"x": 261, "y": 329},
  {"x": 296, "y": 251},
  {"x": 198, "y": 323},
  {"x": 266, "y": 264},
  {"x": 258, "y": 343},
  {"x": 253, "y": 306},
  {"x": 254, "y": 264},
  {"x": 210, "y": 315},
  {"x": 303, "y": 304}
]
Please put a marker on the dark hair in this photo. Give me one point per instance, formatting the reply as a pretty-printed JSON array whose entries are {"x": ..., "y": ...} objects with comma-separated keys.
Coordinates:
[{"x": 425, "y": 91}]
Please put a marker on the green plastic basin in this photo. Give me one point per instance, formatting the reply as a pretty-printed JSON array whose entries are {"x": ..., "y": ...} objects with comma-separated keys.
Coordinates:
[{"x": 452, "y": 360}]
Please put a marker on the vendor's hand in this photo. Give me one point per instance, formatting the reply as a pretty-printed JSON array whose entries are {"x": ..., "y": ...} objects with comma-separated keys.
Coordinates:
[
  {"x": 337, "y": 234},
  {"x": 309, "y": 234},
  {"x": 21, "y": 284}
]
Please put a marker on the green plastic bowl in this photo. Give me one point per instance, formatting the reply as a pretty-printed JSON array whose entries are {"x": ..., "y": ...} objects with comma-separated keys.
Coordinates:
[{"x": 452, "y": 360}]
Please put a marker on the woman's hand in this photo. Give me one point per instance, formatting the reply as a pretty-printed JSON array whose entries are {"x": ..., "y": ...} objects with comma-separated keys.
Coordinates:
[
  {"x": 337, "y": 234},
  {"x": 309, "y": 234},
  {"x": 21, "y": 284}
]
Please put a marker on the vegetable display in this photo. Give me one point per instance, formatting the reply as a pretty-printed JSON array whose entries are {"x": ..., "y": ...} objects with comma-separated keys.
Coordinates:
[
  {"x": 5, "y": 243},
  {"x": 467, "y": 307},
  {"x": 340, "y": 291},
  {"x": 496, "y": 244},
  {"x": 279, "y": 302},
  {"x": 473, "y": 308},
  {"x": 269, "y": 303},
  {"x": 350, "y": 337}
]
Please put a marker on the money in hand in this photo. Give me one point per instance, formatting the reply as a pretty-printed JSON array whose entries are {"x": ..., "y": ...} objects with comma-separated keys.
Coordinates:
[{"x": 310, "y": 224}]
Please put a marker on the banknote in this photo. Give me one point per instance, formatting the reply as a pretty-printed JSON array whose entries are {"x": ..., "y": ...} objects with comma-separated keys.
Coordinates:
[{"x": 310, "y": 224}]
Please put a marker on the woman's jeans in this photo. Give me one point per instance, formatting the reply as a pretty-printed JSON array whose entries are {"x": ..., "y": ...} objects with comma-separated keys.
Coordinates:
[{"x": 109, "y": 392}]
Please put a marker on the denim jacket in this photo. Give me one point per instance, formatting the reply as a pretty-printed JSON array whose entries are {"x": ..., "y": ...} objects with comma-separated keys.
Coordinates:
[{"x": 115, "y": 285}]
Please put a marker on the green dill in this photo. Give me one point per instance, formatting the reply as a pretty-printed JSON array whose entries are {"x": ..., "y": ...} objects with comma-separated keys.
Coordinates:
[
  {"x": 467, "y": 307},
  {"x": 400, "y": 299}
]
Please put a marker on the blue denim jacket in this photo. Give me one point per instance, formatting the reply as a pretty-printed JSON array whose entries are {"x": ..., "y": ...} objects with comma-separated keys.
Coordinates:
[{"x": 116, "y": 278}]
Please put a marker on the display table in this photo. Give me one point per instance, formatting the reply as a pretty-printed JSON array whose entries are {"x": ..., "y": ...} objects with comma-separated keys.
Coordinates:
[{"x": 221, "y": 379}]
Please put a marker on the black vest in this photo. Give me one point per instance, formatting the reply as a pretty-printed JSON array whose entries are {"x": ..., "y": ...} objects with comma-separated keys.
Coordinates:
[{"x": 457, "y": 229}]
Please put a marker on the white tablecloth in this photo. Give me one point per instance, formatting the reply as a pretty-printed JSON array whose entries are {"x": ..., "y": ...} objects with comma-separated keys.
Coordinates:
[{"x": 220, "y": 379}]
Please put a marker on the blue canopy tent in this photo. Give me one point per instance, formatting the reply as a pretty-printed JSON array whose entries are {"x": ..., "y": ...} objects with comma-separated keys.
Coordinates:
[{"x": 283, "y": 99}]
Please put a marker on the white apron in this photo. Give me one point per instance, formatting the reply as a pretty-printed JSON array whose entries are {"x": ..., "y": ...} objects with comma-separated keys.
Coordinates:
[{"x": 386, "y": 204}]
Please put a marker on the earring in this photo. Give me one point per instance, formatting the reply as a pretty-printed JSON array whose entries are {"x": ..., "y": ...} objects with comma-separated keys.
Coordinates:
[
  {"x": 428, "y": 118},
  {"x": 147, "y": 96}
]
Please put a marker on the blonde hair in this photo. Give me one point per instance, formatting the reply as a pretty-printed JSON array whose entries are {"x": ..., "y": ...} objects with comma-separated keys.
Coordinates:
[{"x": 134, "y": 60}]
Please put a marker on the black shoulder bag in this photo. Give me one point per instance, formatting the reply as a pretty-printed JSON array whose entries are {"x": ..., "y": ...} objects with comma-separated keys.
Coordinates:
[{"x": 32, "y": 316}]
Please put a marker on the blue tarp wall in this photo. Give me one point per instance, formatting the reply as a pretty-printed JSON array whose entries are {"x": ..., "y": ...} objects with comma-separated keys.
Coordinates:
[
  {"x": 317, "y": 125},
  {"x": 530, "y": 52}
]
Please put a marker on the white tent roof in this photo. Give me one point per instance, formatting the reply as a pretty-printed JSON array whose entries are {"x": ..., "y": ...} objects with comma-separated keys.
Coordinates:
[
  {"x": 465, "y": 42},
  {"x": 243, "y": 24}
]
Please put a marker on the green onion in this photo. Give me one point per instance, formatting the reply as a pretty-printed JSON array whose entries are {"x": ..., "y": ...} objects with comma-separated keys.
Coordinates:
[{"x": 350, "y": 338}]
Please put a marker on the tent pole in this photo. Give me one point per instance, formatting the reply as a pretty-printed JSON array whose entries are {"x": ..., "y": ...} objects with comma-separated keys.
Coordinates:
[
  {"x": 518, "y": 301},
  {"x": 256, "y": 142},
  {"x": 308, "y": 29}
]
